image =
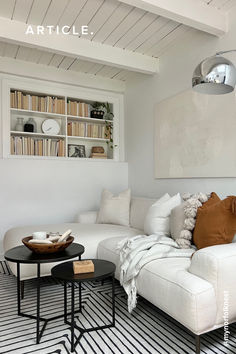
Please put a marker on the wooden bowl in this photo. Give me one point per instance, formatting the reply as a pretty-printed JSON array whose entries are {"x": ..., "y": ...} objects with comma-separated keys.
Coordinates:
[{"x": 41, "y": 248}]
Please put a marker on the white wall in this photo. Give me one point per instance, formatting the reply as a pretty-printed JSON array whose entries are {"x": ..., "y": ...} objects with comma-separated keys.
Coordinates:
[
  {"x": 52, "y": 191},
  {"x": 142, "y": 93}
]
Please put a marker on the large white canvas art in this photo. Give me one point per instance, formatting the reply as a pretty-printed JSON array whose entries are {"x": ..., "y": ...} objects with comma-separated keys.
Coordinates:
[{"x": 195, "y": 136}]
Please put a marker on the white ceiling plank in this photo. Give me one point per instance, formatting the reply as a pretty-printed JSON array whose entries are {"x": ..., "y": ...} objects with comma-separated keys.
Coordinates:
[
  {"x": 34, "y": 55},
  {"x": 10, "y": 50},
  {"x": 192, "y": 13},
  {"x": 76, "y": 65},
  {"x": 165, "y": 26},
  {"x": 122, "y": 75},
  {"x": 104, "y": 12},
  {"x": 71, "y": 12},
  {"x": 88, "y": 11},
  {"x": 124, "y": 26},
  {"x": 147, "y": 33},
  {"x": 134, "y": 32},
  {"x": 108, "y": 71},
  {"x": 95, "y": 68},
  {"x": 22, "y": 10},
  {"x": 81, "y": 66},
  {"x": 38, "y": 11},
  {"x": 217, "y": 3},
  {"x": 165, "y": 43},
  {"x": 227, "y": 5},
  {"x": 56, "y": 60},
  {"x": 85, "y": 66},
  {"x": 113, "y": 21},
  {"x": 2, "y": 48},
  {"x": 23, "y": 53},
  {"x": 45, "y": 58},
  {"x": 72, "y": 46},
  {"x": 54, "y": 12},
  {"x": 66, "y": 63},
  {"x": 6, "y": 8},
  {"x": 146, "y": 48}
]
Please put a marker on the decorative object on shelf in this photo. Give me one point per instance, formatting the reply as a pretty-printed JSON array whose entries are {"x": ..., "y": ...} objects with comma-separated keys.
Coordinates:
[
  {"x": 81, "y": 267},
  {"x": 76, "y": 150},
  {"x": 108, "y": 113},
  {"x": 50, "y": 127},
  {"x": 19, "y": 127},
  {"x": 32, "y": 121},
  {"x": 97, "y": 152},
  {"x": 46, "y": 246},
  {"x": 97, "y": 149},
  {"x": 29, "y": 126},
  {"x": 109, "y": 134},
  {"x": 98, "y": 114},
  {"x": 98, "y": 111}
]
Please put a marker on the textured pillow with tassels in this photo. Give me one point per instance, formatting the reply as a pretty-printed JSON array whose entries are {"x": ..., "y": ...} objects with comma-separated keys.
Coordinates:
[{"x": 216, "y": 223}]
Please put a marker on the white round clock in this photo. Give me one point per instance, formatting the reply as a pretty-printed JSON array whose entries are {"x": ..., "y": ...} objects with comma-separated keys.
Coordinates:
[{"x": 51, "y": 127}]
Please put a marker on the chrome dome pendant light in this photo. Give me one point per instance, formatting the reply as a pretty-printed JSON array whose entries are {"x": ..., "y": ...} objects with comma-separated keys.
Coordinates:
[{"x": 215, "y": 75}]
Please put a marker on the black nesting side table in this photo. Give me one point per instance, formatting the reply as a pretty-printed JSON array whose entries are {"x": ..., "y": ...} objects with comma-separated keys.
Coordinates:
[
  {"x": 21, "y": 254},
  {"x": 64, "y": 272}
]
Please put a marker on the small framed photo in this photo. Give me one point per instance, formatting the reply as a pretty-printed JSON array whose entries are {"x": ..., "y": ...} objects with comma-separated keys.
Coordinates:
[{"x": 76, "y": 150}]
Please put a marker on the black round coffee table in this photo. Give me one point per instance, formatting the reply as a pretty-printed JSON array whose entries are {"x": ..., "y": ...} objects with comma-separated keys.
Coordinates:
[
  {"x": 64, "y": 271},
  {"x": 21, "y": 254}
]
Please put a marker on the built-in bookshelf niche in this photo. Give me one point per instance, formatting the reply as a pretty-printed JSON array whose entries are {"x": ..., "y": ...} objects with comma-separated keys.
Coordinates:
[{"x": 59, "y": 126}]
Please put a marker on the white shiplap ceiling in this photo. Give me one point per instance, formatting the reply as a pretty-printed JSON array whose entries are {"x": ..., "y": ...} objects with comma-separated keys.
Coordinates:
[{"x": 112, "y": 22}]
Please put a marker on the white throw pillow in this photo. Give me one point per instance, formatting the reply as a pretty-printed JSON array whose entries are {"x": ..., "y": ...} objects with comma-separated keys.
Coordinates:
[
  {"x": 114, "y": 209},
  {"x": 157, "y": 220}
]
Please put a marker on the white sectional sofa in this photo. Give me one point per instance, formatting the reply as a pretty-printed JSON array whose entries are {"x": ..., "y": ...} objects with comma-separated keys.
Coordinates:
[{"x": 190, "y": 290}]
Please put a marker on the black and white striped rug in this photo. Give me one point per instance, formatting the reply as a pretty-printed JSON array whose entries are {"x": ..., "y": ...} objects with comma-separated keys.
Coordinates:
[{"x": 146, "y": 331}]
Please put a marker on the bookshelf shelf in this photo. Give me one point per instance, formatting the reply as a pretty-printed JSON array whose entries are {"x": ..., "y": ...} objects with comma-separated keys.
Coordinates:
[
  {"x": 88, "y": 119},
  {"x": 37, "y": 113},
  {"x": 37, "y": 135},
  {"x": 26, "y": 98},
  {"x": 87, "y": 138}
]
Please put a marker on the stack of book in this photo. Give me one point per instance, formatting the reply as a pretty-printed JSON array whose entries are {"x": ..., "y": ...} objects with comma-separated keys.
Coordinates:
[
  {"x": 21, "y": 145},
  {"x": 97, "y": 155},
  {"x": 75, "y": 108},
  {"x": 76, "y": 129},
  {"x": 88, "y": 130},
  {"x": 30, "y": 102}
]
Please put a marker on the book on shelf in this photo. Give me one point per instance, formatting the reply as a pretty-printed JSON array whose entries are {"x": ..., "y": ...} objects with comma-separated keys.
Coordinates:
[
  {"x": 83, "y": 129},
  {"x": 49, "y": 104},
  {"x": 75, "y": 108},
  {"x": 96, "y": 155},
  {"x": 22, "y": 145}
]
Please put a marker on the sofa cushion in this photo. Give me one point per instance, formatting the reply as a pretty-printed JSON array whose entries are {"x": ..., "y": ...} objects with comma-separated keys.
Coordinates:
[
  {"x": 114, "y": 209},
  {"x": 187, "y": 298},
  {"x": 215, "y": 224},
  {"x": 89, "y": 235},
  {"x": 138, "y": 211},
  {"x": 158, "y": 217}
]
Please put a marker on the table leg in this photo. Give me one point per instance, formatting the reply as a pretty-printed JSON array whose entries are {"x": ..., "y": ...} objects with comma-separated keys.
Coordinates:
[
  {"x": 65, "y": 301},
  {"x": 38, "y": 303},
  {"x": 18, "y": 289},
  {"x": 80, "y": 297},
  {"x": 113, "y": 300},
  {"x": 72, "y": 315}
]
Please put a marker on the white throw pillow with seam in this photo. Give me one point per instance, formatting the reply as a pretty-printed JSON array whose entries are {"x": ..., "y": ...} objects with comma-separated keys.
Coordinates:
[
  {"x": 158, "y": 216},
  {"x": 114, "y": 209}
]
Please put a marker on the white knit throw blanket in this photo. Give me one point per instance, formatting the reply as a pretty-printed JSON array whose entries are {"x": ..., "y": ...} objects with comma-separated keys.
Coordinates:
[{"x": 139, "y": 250}]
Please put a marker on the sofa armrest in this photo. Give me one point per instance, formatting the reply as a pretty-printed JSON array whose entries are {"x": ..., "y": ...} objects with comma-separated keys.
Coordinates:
[
  {"x": 88, "y": 217},
  {"x": 217, "y": 265}
]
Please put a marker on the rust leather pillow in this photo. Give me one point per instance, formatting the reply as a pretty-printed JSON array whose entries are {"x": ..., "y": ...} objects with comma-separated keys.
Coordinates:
[
  {"x": 215, "y": 223},
  {"x": 212, "y": 200}
]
